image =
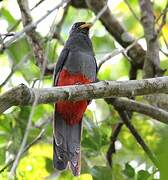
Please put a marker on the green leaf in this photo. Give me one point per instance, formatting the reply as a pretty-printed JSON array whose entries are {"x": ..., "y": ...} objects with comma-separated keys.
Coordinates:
[
  {"x": 114, "y": 70},
  {"x": 129, "y": 171},
  {"x": 103, "y": 43},
  {"x": 7, "y": 15},
  {"x": 18, "y": 50},
  {"x": 143, "y": 175},
  {"x": 101, "y": 173}
]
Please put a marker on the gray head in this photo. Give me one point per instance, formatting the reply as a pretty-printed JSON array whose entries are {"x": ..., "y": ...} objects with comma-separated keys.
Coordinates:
[{"x": 81, "y": 27}]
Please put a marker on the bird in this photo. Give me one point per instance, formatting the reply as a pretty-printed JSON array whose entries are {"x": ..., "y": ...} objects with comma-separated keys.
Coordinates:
[{"x": 76, "y": 65}]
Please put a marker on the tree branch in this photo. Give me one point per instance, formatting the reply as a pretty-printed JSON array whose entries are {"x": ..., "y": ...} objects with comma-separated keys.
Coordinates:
[
  {"x": 22, "y": 95},
  {"x": 163, "y": 15},
  {"x": 39, "y": 137},
  {"x": 138, "y": 138},
  {"x": 131, "y": 105},
  {"x": 152, "y": 61},
  {"x": 16, "y": 67},
  {"x": 115, "y": 53},
  {"x": 114, "y": 27},
  {"x": 111, "y": 149},
  {"x": 33, "y": 36},
  {"x": 29, "y": 27},
  {"x": 132, "y": 11}
]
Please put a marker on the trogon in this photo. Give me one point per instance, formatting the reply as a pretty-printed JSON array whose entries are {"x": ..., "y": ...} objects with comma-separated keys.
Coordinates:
[{"x": 76, "y": 65}]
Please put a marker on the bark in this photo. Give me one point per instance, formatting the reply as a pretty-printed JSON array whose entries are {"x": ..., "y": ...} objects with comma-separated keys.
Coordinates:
[
  {"x": 152, "y": 60},
  {"x": 22, "y": 95},
  {"x": 131, "y": 105}
]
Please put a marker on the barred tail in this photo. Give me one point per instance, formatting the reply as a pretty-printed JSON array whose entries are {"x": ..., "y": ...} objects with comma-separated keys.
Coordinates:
[{"x": 66, "y": 145}]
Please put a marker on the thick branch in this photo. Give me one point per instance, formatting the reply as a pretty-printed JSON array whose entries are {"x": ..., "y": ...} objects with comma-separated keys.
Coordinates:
[
  {"x": 30, "y": 26},
  {"x": 33, "y": 37},
  {"x": 159, "y": 100},
  {"x": 131, "y": 105},
  {"x": 152, "y": 61},
  {"x": 22, "y": 95}
]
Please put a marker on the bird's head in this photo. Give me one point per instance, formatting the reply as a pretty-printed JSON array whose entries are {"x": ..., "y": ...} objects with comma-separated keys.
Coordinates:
[{"x": 82, "y": 27}]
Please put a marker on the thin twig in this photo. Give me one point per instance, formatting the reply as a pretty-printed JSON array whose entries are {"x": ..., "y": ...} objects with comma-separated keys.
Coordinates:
[
  {"x": 39, "y": 137},
  {"x": 23, "y": 144},
  {"x": 111, "y": 150},
  {"x": 118, "y": 126},
  {"x": 132, "y": 11},
  {"x": 137, "y": 136},
  {"x": 50, "y": 36},
  {"x": 163, "y": 22},
  {"x": 165, "y": 53},
  {"x": 36, "y": 5},
  {"x": 58, "y": 27},
  {"x": 12, "y": 28},
  {"x": 162, "y": 13},
  {"x": 100, "y": 13},
  {"x": 19, "y": 21},
  {"x": 29, "y": 124},
  {"x": 117, "y": 52},
  {"x": 16, "y": 67},
  {"x": 164, "y": 38},
  {"x": 20, "y": 34}
]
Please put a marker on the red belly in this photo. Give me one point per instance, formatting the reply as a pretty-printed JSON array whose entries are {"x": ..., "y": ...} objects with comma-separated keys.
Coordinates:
[{"x": 71, "y": 112}]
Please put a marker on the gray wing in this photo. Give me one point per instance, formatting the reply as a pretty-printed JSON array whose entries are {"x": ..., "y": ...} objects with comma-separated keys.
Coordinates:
[
  {"x": 83, "y": 62},
  {"x": 60, "y": 63}
]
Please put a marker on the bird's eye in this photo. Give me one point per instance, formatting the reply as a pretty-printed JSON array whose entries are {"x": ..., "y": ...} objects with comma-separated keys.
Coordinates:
[{"x": 74, "y": 26}]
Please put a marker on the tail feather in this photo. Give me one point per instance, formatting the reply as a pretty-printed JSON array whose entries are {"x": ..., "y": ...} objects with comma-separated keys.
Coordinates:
[
  {"x": 66, "y": 145},
  {"x": 59, "y": 160}
]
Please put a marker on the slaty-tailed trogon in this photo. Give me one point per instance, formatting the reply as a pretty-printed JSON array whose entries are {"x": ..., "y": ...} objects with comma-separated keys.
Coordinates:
[{"x": 76, "y": 65}]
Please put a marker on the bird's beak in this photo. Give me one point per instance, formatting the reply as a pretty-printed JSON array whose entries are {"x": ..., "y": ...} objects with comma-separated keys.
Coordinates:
[{"x": 86, "y": 25}]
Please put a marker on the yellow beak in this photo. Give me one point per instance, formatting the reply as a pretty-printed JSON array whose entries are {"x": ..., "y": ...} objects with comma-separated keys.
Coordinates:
[{"x": 86, "y": 25}]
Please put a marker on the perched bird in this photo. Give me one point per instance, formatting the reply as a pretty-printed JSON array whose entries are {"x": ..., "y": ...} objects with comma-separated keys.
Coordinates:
[{"x": 76, "y": 65}]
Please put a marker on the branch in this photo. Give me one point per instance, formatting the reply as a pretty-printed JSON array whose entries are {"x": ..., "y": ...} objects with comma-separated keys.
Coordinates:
[
  {"x": 131, "y": 105},
  {"x": 29, "y": 27},
  {"x": 138, "y": 138},
  {"x": 152, "y": 61},
  {"x": 115, "y": 53},
  {"x": 39, "y": 137},
  {"x": 114, "y": 27},
  {"x": 163, "y": 22},
  {"x": 36, "y": 5},
  {"x": 33, "y": 36},
  {"x": 58, "y": 26},
  {"x": 16, "y": 67},
  {"x": 111, "y": 149},
  {"x": 19, "y": 21},
  {"x": 132, "y": 11},
  {"x": 22, "y": 95},
  {"x": 159, "y": 100}
]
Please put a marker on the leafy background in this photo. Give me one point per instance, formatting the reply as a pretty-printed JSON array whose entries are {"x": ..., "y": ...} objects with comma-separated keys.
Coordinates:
[{"x": 130, "y": 161}]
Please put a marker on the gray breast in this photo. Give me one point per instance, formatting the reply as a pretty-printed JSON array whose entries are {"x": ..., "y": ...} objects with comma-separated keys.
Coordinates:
[{"x": 81, "y": 62}]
